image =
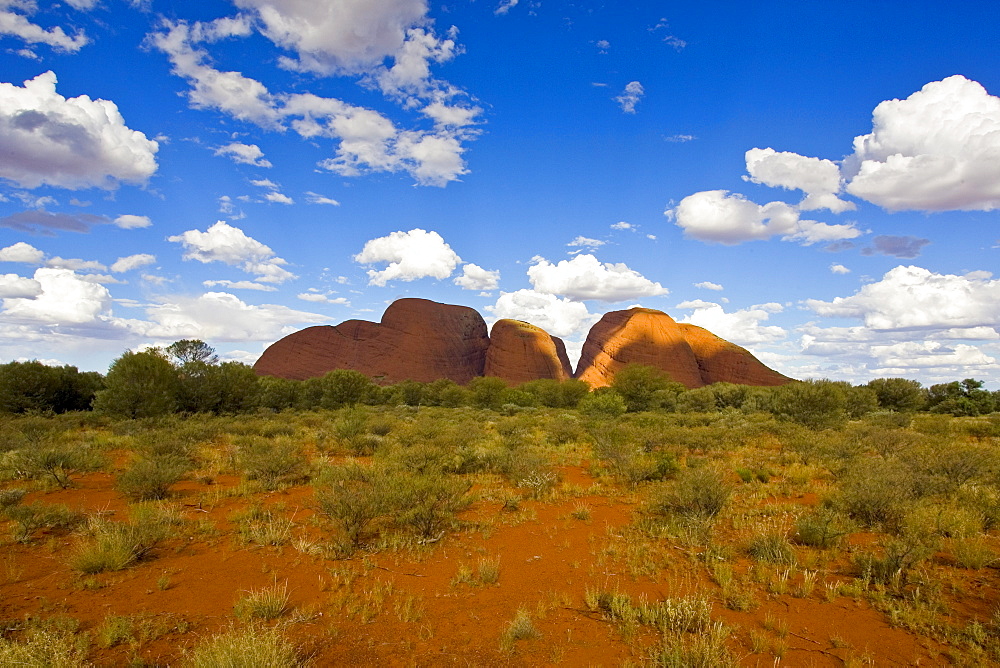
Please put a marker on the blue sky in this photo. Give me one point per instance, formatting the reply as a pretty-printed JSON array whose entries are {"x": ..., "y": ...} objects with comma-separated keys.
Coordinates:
[{"x": 818, "y": 182}]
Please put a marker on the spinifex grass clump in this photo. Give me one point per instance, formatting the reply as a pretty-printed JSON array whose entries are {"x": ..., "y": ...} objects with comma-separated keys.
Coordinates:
[
  {"x": 114, "y": 546},
  {"x": 272, "y": 461},
  {"x": 252, "y": 646},
  {"x": 267, "y": 603},
  {"x": 519, "y": 628},
  {"x": 698, "y": 493},
  {"x": 36, "y": 516}
]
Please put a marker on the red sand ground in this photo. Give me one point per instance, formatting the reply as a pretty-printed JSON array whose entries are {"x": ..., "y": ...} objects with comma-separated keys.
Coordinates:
[{"x": 547, "y": 560}]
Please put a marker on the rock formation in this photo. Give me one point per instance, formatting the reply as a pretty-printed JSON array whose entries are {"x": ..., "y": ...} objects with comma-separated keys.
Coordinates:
[
  {"x": 417, "y": 340},
  {"x": 422, "y": 340},
  {"x": 691, "y": 355},
  {"x": 520, "y": 352}
]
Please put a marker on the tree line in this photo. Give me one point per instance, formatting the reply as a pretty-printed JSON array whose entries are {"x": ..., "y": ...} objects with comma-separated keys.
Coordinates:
[{"x": 187, "y": 377}]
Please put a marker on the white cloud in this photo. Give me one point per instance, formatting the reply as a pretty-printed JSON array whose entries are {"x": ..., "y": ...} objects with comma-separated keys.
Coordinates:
[
  {"x": 475, "y": 277},
  {"x": 505, "y": 6},
  {"x": 320, "y": 298},
  {"x": 410, "y": 256},
  {"x": 21, "y": 252},
  {"x": 264, "y": 183},
  {"x": 349, "y": 36},
  {"x": 14, "y": 286},
  {"x": 220, "y": 316},
  {"x": 227, "y": 244},
  {"x": 585, "y": 242},
  {"x": 315, "y": 198},
  {"x": 131, "y": 262},
  {"x": 247, "y": 154},
  {"x": 742, "y": 327},
  {"x": 240, "y": 285},
  {"x": 839, "y": 269},
  {"x": 75, "y": 264},
  {"x": 819, "y": 179},
  {"x": 937, "y": 150},
  {"x": 720, "y": 217},
  {"x": 630, "y": 97},
  {"x": 46, "y": 139},
  {"x": 131, "y": 222},
  {"x": 14, "y": 21},
  {"x": 65, "y": 298},
  {"x": 367, "y": 141},
  {"x": 708, "y": 285},
  {"x": 557, "y": 316},
  {"x": 622, "y": 225},
  {"x": 913, "y": 298},
  {"x": 586, "y": 277},
  {"x": 278, "y": 198}
]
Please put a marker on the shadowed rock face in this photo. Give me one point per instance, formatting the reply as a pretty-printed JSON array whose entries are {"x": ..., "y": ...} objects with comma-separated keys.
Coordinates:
[
  {"x": 520, "y": 352},
  {"x": 417, "y": 340},
  {"x": 691, "y": 355}
]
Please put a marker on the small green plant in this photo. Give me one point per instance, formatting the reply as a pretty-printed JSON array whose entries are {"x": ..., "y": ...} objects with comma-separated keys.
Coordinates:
[
  {"x": 973, "y": 553},
  {"x": 581, "y": 512},
  {"x": 45, "y": 647},
  {"x": 267, "y": 603},
  {"x": 698, "y": 493},
  {"x": 519, "y": 628},
  {"x": 116, "y": 630},
  {"x": 488, "y": 571},
  {"x": 263, "y": 526},
  {"x": 822, "y": 529},
  {"x": 703, "y": 650},
  {"x": 272, "y": 462}
]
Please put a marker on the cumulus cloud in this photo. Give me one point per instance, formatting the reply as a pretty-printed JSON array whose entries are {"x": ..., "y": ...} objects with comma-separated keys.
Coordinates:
[
  {"x": 586, "y": 277},
  {"x": 14, "y": 286},
  {"x": 220, "y": 316},
  {"x": 64, "y": 298},
  {"x": 410, "y": 256},
  {"x": 914, "y": 298},
  {"x": 630, "y": 97},
  {"x": 819, "y": 179},
  {"x": 131, "y": 262},
  {"x": 622, "y": 225},
  {"x": 46, "y": 139},
  {"x": 742, "y": 327},
  {"x": 904, "y": 247},
  {"x": 475, "y": 277},
  {"x": 21, "y": 252},
  {"x": 246, "y": 154},
  {"x": 14, "y": 21},
  {"x": 720, "y": 217},
  {"x": 557, "y": 316},
  {"x": 937, "y": 150},
  {"x": 132, "y": 222},
  {"x": 239, "y": 285},
  {"x": 708, "y": 285},
  {"x": 227, "y": 244},
  {"x": 839, "y": 269}
]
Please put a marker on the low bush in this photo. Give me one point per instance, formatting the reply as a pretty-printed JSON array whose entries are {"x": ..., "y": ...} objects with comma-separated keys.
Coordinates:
[
  {"x": 823, "y": 528},
  {"x": 151, "y": 477},
  {"x": 114, "y": 546},
  {"x": 36, "y": 516},
  {"x": 772, "y": 548},
  {"x": 252, "y": 646},
  {"x": 272, "y": 461},
  {"x": 698, "y": 493}
]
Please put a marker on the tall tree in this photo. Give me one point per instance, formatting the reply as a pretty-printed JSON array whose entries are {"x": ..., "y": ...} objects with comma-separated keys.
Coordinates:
[
  {"x": 142, "y": 384},
  {"x": 192, "y": 350}
]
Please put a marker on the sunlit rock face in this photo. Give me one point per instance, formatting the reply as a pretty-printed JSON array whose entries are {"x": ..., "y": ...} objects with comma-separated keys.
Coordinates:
[
  {"x": 520, "y": 352},
  {"x": 691, "y": 355},
  {"x": 423, "y": 340},
  {"x": 417, "y": 340}
]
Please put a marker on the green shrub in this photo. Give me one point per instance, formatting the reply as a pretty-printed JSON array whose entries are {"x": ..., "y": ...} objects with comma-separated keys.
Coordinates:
[
  {"x": 55, "y": 460},
  {"x": 823, "y": 528},
  {"x": 263, "y": 526},
  {"x": 877, "y": 492},
  {"x": 607, "y": 404},
  {"x": 267, "y": 603},
  {"x": 45, "y": 648},
  {"x": 354, "y": 496},
  {"x": 36, "y": 516},
  {"x": 151, "y": 477},
  {"x": 429, "y": 502},
  {"x": 274, "y": 461},
  {"x": 698, "y": 493},
  {"x": 772, "y": 548}
]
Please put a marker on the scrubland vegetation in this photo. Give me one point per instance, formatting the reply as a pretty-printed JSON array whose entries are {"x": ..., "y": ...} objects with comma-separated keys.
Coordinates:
[{"x": 197, "y": 515}]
